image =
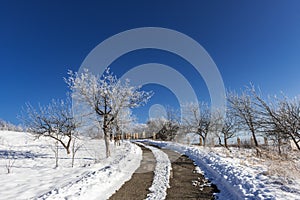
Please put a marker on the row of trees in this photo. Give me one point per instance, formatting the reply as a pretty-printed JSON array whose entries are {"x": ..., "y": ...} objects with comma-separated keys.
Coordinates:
[
  {"x": 105, "y": 102},
  {"x": 6, "y": 126},
  {"x": 275, "y": 118}
]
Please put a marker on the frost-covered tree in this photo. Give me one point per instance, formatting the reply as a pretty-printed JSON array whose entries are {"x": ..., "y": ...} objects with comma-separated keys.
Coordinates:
[
  {"x": 124, "y": 122},
  {"x": 154, "y": 125},
  {"x": 244, "y": 108},
  {"x": 225, "y": 127},
  {"x": 106, "y": 95},
  {"x": 198, "y": 119},
  {"x": 54, "y": 121},
  {"x": 165, "y": 127},
  {"x": 280, "y": 118},
  {"x": 170, "y": 125},
  {"x": 289, "y": 112},
  {"x": 7, "y": 126}
]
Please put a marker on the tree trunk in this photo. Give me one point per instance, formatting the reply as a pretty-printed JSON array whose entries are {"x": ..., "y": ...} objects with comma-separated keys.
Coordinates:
[
  {"x": 56, "y": 154},
  {"x": 106, "y": 139},
  {"x": 204, "y": 141},
  {"x": 220, "y": 141},
  {"x": 118, "y": 130},
  {"x": 68, "y": 145},
  {"x": 73, "y": 158},
  {"x": 225, "y": 142},
  {"x": 73, "y": 152},
  {"x": 295, "y": 141},
  {"x": 254, "y": 138},
  {"x": 238, "y": 142},
  {"x": 279, "y": 146}
]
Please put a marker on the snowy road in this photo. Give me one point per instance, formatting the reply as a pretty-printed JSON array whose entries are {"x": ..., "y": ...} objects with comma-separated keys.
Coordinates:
[
  {"x": 179, "y": 179},
  {"x": 238, "y": 175},
  {"x": 236, "y": 178},
  {"x": 187, "y": 180},
  {"x": 138, "y": 186},
  {"x": 162, "y": 173}
]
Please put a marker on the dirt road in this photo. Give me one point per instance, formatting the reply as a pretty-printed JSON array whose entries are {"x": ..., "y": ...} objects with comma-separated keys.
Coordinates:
[
  {"x": 137, "y": 187},
  {"x": 185, "y": 182}
]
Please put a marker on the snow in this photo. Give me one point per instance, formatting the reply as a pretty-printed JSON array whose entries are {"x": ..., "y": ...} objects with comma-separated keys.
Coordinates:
[
  {"x": 34, "y": 176},
  {"x": 238, "y": 176},
  {"x": 162, "y": 173}
]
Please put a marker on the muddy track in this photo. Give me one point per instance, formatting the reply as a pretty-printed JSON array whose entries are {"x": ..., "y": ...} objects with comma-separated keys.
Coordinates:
[
  {"x": 185, "y": 182},
  {"x": 137, "y": 187}
]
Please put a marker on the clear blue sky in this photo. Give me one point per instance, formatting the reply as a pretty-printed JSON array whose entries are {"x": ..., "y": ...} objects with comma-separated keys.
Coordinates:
[{"x": 250, "y": 41}]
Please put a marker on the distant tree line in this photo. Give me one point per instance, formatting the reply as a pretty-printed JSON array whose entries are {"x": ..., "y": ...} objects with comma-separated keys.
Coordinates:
[
  {"x": 7, "y": 126},
  {"x": 277, "y": 119}
]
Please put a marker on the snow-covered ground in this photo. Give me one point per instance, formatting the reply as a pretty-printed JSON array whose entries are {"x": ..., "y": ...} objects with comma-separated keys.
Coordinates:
[
  {"x": 33, "y": 174},
  {"x": 238, "y": 174},
  {"x": 241, "y": 175}
]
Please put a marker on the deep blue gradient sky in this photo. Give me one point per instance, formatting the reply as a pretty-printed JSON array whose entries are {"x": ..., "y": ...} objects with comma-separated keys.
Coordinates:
[{"x": 250, "y": 41}]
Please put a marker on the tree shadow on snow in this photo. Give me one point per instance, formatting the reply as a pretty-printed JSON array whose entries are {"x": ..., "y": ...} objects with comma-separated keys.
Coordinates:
[{"x": 4, "y": 154}]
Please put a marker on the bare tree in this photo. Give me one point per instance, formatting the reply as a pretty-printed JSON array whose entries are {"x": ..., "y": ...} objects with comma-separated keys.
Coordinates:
[
  {"x": 227, "y": 127},
  {"x": 10, "y": 159},
  {"x": 123, "y": 123},
  {"x": 7, "y": 126},
  {"x": 55, "y": 149},
  {"x": 164, "y": 127},
  {"x": 76, "y": 145},
  {"x": 106, "y": 96},
  {"x": 54, "y": 121},
  {"x": 198, "y": 119},
  {"x": 245, "y": 110},
  {"x": 10, "y": 163},
  {"x": 9, "y": 155},
  {"x": 280, "y": 118},
  {"x": 290, "y": 112},
  {"x": 170, "y": 125},
  {"x": 154, "y": 125}
]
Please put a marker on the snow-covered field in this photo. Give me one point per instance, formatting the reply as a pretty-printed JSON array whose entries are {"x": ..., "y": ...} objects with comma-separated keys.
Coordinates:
[
  {"x": 238, "y": 174},
  {"x": 34, "y": 176},
  {"x": 241, "y": 175}
]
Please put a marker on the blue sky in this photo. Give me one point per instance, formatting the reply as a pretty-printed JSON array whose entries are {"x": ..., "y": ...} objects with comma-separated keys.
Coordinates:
[{"x": 250, "y": 41}]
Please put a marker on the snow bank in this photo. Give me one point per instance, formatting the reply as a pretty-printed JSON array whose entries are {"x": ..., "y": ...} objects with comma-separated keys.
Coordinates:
[
  {"x": 234, "y": 181},
  {"x": 34, "y": 176},
  {"x": 102, "y": 183}
]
